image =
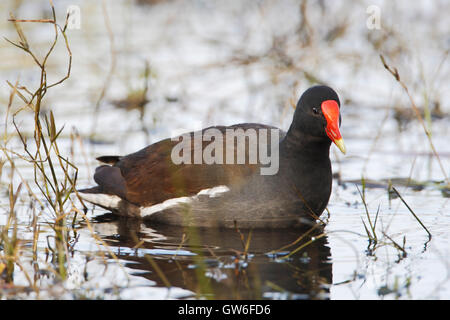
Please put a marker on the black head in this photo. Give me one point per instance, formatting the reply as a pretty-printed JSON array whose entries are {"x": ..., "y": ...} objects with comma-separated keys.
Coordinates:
[{"x": 317, "y": 115}]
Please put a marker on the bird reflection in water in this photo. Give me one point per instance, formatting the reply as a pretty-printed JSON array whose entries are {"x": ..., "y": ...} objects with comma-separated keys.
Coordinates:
[{"x": 227, "y": 263}]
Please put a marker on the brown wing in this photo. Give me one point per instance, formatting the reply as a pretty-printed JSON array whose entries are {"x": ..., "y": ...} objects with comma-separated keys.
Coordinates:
[{"x": 150, "y": 175}]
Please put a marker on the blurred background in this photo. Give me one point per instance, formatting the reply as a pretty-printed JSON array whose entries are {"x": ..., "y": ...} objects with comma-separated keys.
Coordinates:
[{"x": 142, "y": 69}]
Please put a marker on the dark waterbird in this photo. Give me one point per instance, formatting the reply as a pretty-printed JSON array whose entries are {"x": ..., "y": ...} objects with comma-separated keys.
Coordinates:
[{"x": 149, "y": 184}]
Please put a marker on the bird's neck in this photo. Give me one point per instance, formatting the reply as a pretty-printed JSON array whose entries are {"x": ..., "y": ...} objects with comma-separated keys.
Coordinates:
[{"x": 296, "y": 143}]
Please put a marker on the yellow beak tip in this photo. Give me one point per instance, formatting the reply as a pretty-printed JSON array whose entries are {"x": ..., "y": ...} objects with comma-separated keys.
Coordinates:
[{"x": 340, "y": 144}]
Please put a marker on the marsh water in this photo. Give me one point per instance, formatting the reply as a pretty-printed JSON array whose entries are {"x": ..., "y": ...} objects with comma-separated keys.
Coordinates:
[{"x": 228, "y": 62}]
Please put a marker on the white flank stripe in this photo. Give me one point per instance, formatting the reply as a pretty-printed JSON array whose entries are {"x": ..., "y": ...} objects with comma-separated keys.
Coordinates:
[
  {"x": 214, "y": 192},
  {"x": 146, "y": 211},
  {"x": 211, "y": 192},
  {"x": 112, "y": 202}
]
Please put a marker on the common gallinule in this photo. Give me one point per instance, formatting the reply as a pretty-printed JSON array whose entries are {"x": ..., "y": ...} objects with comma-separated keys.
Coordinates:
[{"x": 203, "y": 179}]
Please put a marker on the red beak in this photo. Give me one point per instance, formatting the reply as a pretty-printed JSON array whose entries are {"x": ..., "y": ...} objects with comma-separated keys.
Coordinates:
[{"x": 330, "y": 110}]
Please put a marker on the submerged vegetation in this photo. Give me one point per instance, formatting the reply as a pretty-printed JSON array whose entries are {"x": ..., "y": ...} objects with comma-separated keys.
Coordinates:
[{"x": 53, "y": 247}]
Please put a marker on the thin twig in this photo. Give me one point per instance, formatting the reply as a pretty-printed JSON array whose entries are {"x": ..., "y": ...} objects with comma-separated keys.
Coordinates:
[
  {"x": 412, "y": 212},
  {"x": 32, "y": 20},
  {"x": 396, "y": 75}
]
